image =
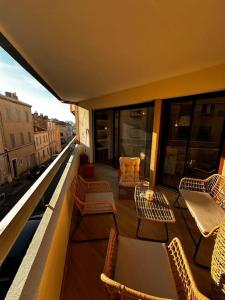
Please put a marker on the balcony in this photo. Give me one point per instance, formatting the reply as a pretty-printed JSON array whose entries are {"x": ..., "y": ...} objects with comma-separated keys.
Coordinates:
[
  {"x": 152, "y": 70},
  {"x": 42, "y": 272}
]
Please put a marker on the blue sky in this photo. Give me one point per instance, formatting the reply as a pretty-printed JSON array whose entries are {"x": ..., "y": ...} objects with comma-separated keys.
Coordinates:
[{"x": 13, "y": 78}]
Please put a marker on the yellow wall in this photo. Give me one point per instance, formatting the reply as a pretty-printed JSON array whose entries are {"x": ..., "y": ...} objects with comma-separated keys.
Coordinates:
[
  {"x": 207, "y": 80},
  {"x": 51, "y": 280}
]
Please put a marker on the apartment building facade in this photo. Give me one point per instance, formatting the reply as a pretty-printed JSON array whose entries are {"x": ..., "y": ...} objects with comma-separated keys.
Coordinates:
[
  {"x": 42, "y": 152},
  {"x": 17, "y": 149},
  {"x": 54, "y": 136},
  {"x": 66, "y": 132}
]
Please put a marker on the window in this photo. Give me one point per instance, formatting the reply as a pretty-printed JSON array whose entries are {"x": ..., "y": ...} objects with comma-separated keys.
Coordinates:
[
  {"x": 36, "y": 140},
  {"x": 29, "y": 136},
  {"x": 18, "y": 115},
  {"x": 21, "y": 138},
  {"x": 26, "y": 116},
  {"x": 12, "y": 138},
  {"x": 8, "y": 114},
  {"x": 40, "y": 139},
  {"x": 43, "y": 152}
]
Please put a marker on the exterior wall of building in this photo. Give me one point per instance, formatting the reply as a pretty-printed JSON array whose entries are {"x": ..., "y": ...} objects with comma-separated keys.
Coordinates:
[
  {"x": 51, "y": 137},
  {"x": 207, "y": 80},
  {"x": 5, "y": 175},
  {"x": 40, "y": 121},
  {"x": 66, "y": 132},
  {"x": 42, "y": 146},
  {"x": 57, "y": 138},
  {"x": 54, "y": 137},
  {"x": 18, "y": 139}
]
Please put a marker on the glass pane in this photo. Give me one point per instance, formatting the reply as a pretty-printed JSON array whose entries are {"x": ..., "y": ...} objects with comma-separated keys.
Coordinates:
[
  {"x": 135, "y": 135},
  {"x": 178, "y": 131},
  {"x": 104, "y": 136},
  {"x": 207, "y": 129},
  {"x": 116, "y": 139}
]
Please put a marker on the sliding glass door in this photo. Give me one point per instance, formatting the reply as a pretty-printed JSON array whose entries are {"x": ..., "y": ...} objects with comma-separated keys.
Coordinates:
[
  {"x": 192, "y": 138},
  {"x": 134, "y": 135},
  {"x": 124, "y": 132}
]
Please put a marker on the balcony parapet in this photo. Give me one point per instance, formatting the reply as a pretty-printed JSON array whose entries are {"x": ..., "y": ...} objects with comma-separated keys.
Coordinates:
[{"x": 30, "y": 280}]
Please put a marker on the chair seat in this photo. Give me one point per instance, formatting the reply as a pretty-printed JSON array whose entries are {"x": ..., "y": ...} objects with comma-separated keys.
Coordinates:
[
  {"x": 145, "y": 266},
  {"x": 204, "y": 209},
  {"x": 99, "y": 197}
]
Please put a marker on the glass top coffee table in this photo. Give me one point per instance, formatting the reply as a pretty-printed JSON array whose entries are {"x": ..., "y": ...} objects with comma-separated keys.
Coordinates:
[{"x": 158, "y": 210}]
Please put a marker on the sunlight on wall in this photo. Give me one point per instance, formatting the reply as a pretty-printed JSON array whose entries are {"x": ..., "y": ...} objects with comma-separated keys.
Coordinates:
[{"x": 84, "y": 127}]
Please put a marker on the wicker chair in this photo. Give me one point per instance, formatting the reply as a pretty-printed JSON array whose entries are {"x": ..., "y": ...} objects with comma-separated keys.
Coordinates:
[
  {"x": 92, "y": 198},
  {"x": 129, "y": 173},
  {"x": 205, "y": 200},
  {"x": 136, "y": 269}
]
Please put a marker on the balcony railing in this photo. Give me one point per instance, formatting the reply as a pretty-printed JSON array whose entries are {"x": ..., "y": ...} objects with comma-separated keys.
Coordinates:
[{"x": 37, "y": 277}]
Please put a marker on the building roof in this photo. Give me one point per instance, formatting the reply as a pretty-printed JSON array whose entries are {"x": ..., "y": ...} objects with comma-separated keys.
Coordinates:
[{"x": 3, "y": 97}]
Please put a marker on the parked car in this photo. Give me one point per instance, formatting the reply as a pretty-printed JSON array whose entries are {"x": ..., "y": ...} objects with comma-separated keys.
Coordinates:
[{"x": 35, "y": 172}]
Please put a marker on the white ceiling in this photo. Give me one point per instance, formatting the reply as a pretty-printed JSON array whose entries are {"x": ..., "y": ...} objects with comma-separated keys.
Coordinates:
[{"x": 87, "y": 48}]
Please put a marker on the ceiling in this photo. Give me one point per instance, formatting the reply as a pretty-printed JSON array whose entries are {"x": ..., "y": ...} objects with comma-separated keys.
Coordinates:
[{"x": 89, "y": 48}]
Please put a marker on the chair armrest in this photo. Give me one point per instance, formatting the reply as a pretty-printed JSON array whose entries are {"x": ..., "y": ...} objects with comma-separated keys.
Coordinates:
[
  {"x": 111, "y": 253},
  {"x": 193, "y": 184},
  {"x": 184, "y": 279}
]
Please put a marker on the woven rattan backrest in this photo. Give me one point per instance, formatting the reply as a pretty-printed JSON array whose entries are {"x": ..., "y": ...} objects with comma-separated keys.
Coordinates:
[
  {"x": 80, "y": 187},
  {"x": 185, "y": 283},
  {"x": 216, "y": 187},
  {"x": 218, "y": 265}
]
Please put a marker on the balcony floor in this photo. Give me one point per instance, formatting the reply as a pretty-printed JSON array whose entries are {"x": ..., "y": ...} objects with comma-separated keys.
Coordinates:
[{"x": 85, "y": 261}]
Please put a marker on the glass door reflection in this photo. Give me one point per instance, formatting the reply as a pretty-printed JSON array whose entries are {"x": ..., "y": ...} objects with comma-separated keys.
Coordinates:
[
  {"x": 177, "y": 131},
  {"x": 135, "y": 135},
  {"x": 205, "y": 140}
]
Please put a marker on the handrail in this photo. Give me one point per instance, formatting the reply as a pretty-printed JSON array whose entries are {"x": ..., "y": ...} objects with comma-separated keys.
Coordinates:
[{"x": 14, "y": 222}]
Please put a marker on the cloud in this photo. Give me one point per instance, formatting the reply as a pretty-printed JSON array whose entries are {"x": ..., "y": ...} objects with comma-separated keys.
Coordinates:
[{"x": 13, "y": 78}]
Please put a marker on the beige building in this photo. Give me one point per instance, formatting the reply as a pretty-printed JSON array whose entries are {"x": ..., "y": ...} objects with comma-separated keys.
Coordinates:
[
  {"x": 17, "y": 150},
  {"x": 42, "y": 152},
  {"x": 54, "y": 136},
  {"x": 66, "y": 132},
  {"x": 47, "y": 137}
]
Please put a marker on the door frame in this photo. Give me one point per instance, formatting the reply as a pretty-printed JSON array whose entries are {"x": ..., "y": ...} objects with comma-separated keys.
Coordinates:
[{"x": 164, "y": 135}]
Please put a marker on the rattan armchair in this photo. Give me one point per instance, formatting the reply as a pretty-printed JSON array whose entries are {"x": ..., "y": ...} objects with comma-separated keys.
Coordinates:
[
  {"x": 176, "y": 282},
  {"x": 92, "y": 198},
  {"x": 205, "y": 200}
]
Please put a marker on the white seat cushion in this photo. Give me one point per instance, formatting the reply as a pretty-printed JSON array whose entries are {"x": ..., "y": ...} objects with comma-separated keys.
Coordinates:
[
  {"x": 145, "y": 267},
  {"x": 203, "y": 208}
]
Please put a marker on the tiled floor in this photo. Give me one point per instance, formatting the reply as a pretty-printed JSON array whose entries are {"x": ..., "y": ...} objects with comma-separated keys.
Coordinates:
[{"x": 85, "y": 261}]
